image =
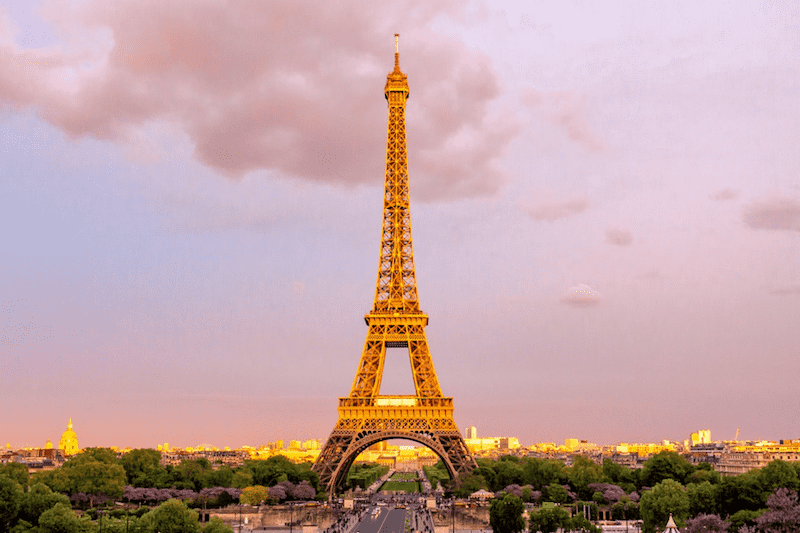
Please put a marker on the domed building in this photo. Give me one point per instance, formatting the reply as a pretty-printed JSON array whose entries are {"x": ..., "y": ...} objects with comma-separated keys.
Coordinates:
[
  {"x": 69, "y": 441},
  {"x": 48, "y": 445}
]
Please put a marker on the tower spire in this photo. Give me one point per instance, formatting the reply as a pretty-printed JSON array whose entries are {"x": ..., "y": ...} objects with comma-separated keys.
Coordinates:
[{"x": 396, "y": 291}]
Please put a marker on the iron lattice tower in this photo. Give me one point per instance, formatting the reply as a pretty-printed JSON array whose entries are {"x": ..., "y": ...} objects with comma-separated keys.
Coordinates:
[{"x": 396, "y": 321}]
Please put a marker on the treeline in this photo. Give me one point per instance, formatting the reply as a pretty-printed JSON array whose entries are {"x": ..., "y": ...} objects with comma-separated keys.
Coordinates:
[
  {"x": 364, "y": 475},
  {"x": 666, "y": 484},
  {"x": 97, "y": 477}
]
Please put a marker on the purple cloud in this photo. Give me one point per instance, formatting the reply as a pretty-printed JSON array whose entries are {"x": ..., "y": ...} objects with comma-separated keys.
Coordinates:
[
  {"x": 280, "y": 105},
  {"x": 581, "y": 295},
  {"x": 566, "y": 111},
  {"x": 779, "y": 213},
  {"x": 787, "y": 290},
  {"x": 553, "y": 208},
  {"x": 725, "y": 194},
  {"x": 619, "y": 236}
]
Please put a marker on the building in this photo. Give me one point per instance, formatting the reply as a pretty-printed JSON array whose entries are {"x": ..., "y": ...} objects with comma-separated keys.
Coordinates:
[
  {"x": 703, "y": 436},
  {"x": 471, "y": 433},
  {"x": 69, "y": 441}
]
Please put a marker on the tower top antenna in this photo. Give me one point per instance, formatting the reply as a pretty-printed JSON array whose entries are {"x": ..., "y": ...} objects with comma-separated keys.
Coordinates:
[{"x": 396, "y": 43}]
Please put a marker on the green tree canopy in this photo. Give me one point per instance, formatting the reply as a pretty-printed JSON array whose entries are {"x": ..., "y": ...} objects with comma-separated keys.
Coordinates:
[
  {"x": 583, "y": 472},
  {"x": 215, "y": 525},
  {"x": 667, "y": 497},
  {"x": 505, "y": 515},
  {"x": 61, "y": 519},
  {"x": 10, "y": 501},
  {"x": 703, "y": 498},
  {"x": 548, "y": 520},
  {"x": 172, "y": 516},
  {"x": 16, "y": 471},
  {"x": 38, "y": 500},
  {"x": 143, "y": 468},
  {"x": 666, "y": 465}
]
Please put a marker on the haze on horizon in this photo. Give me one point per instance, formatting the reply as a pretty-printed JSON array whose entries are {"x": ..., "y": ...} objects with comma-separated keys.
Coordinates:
[{"x": 605, "y": 203}]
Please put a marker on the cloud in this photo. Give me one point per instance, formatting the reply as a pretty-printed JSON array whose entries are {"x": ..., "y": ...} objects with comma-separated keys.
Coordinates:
[
  {"x": 550, "y": 208},
  {"x": 567, "y": 111},
  {"x": 781, "y": 213},
  {"x": 581, "y": 296},
  {"x": 287, "y": 86},
  {"x": 786, "y": 291},
  {"x": 725, "y": 194},
  {"x": 619, "y": 236}
]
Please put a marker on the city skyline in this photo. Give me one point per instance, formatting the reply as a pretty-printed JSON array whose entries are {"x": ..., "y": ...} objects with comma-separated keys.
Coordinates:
[{"x": 605, "y": 201}]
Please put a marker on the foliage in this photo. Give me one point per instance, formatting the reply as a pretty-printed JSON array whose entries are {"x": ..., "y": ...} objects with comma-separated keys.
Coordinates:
[
  {"x": 782, "y": 514},
  {"x": 61, "y": 519},
  {"x": 143, "y": 468},
  {"x": 581, "y": 523},
  {"x": 38, "y": 500},
  {"x": 470, "y": 483},
  {"x": 437, "y": 474},
  {"x": 779, "y": 474},
  {"x": 171, "y": 516},
  {"x": 742, "y": 492},
  {"x": 557, "y": 494},
  {"x": 505, "y": 515},
  {"x": 743, "y": 518},
  {"x": 366, "y": 474},
  {"x": 666, "y": 465},
  {"x": 609, "y": 492},
  {"x": 706, "y": 523},
  {"x": 703, "y": 498},
  {"x": 96, "y": 473},
  {"x": 16, "y": 471},
  {"x": 254, "y": 495},
  {"x": 278, "y": 468},
  {"x": 10, "y": 501},
  {"x": 667, "y": 497},
  {"x": 548, "y": 520},
  {"x": 583, "y": 473},
  {"x": 215, "y": 525}
]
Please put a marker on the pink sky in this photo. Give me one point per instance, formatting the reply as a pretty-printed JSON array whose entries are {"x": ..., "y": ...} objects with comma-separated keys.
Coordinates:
[{"x": 605, "y": 202}]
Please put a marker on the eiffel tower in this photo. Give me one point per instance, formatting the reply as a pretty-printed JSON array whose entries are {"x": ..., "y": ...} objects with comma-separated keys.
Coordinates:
[{"x": 396, "y": 321}]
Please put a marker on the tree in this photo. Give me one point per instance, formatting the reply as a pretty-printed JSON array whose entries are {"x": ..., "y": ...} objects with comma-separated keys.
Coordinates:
[
  {"x": 703, "y": 498},
  {"x": 548, "y": 520},
  {"x": 10, "y": 500},
  {"x": 704, "y": 472},
  {"x": 557, "y": 493},
  {"x": 706, "y": 523},
  {"x": 16, "y": 471},
  {"x": 215, "y": 525},
  {"x": 254, "y": 495},
  {"x": 782, "y": 514},
  {"x": 583, "y": 472},
  {"x": 505, "y": 515},
  {"x": 779, "y": 474},
  {"x": 61, "y": 519},
  {"x": 143, "y": 468},
  {"x": 581, "y": 523},
  {"x": 742, "y": 492},
  {"x": 38, "y": 500},
  {"x": 667, "y": 497},
  {"x": 172, "y": 516},
  {"x": 743, "y": 518},
  {"x": 666, "y": 465},
  {"x": 470, "y": 483}
]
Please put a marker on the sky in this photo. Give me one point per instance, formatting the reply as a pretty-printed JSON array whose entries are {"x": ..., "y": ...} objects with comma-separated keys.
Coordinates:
[{"x": 605, "y": 207}]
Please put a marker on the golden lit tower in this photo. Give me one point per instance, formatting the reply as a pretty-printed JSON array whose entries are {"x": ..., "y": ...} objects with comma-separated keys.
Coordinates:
[{"x": 396, "y": 321}]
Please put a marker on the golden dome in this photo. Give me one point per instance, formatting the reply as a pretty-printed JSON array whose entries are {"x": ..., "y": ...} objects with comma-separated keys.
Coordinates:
[
  {"x": 69, "y": 440},
  {"x": 49, "y": 445}
]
